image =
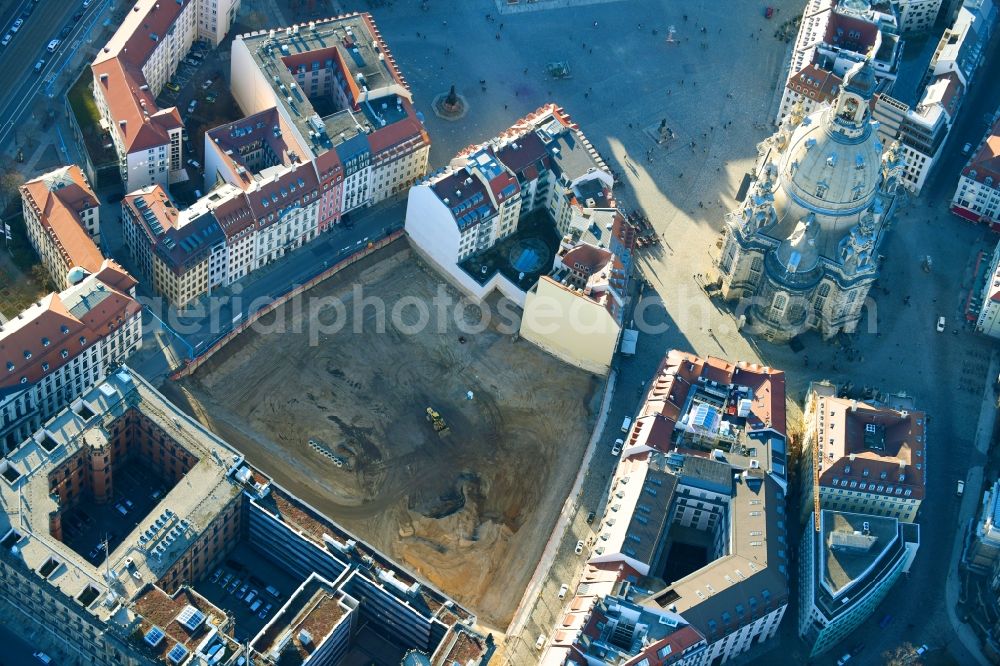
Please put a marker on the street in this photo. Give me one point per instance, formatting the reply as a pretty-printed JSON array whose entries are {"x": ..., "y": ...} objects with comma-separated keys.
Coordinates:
[{"x": 627, "y": 78}]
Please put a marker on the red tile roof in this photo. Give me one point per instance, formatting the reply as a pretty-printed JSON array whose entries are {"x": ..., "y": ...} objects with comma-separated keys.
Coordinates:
[
  {"x": 117, "y": 70},
  {"x": 986, "y": 162},
  {"x": 58, "y": 210},
  {"x": 678, "y": 375},
  {"x": 815, "y": 83},
  {"x": 844, "y": 445},
  {"x": 851, "y": 33},
  {"x": 48, "y": 328}
]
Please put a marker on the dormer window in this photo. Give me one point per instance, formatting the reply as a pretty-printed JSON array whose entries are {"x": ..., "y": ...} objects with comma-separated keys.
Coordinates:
[
  {"x": 83, "y": 340},
  {"x": 64, "y": 354},
  {"x": 10, "y": 367},
  {"x": 45, "y": 342},
  {"x": 27, "y": 354},
  {"x": 45, "y": 367},
  {"x": 64, "y": 329}
]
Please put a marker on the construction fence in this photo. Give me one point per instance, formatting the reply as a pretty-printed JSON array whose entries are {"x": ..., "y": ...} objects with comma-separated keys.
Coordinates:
[{"x": 192, "y": 365}]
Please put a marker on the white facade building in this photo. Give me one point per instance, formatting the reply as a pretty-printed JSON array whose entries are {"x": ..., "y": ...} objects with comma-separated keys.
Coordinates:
[
  {"x": 833, "y": 37},
  {"x": 917, "y": 15},
  {"x": 988, "y": 322},
  {"x": 131, "y": 70},
  {"x": 63, "y": 345},
  {"x": 977, "y": 197}
]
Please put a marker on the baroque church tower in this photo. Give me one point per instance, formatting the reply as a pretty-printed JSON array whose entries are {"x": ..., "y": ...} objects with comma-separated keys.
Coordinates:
[{"x": 803, "y": 248}]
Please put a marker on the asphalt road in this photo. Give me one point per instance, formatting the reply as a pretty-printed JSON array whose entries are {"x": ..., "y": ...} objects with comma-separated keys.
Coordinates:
[
  {"x": 17, "y": 60},
  {"x": 16, "y": 652}
]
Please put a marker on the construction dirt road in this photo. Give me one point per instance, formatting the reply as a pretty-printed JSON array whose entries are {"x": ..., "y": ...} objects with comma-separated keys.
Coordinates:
[{"x": 343, "y": 425}]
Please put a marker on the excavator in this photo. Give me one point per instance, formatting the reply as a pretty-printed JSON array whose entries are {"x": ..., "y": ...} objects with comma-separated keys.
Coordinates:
[{"x": 436, "y": 421}]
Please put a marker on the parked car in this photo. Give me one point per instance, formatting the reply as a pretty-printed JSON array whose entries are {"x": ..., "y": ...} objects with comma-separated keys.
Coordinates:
[
  {"x": 626, "y": 424},
  {"x": 940, "y": 325},
  {"x": 563, "y": 589},
  {"x": 128, "y": 504},
  {"x": 922, "y": 649},
  {"x": 617, "y": 448},
  {"x": 173, "y": 86},
  {"x": 192, "y": 106},
  {"x": 86, "y": 3},
  {"x": 217, "y": 575},
  {"x": 243, "y": 590},
  {"x": 6, "y": 39},
  {"x": 768, "y": 12},
  {"x": 194, "y": 164},
  {"x": 590, "y": 517},
  {"x": 17, "y": 25},
  {"x": 540, "y": 642},
  {"x": 579, "y": 547},
  {"x": 960, "y": 490},
  {"x": 843, "y": 660},
  {"x": 966, "y": 149},
  {"x": 42, "y": 657},
  {"x": 210, "y": 98},
  {"x": 254, "y": 606},
  {"x": 40, "y": 65},
  {"x": 264, "y": 611},
  {"x": 53, "y": 45},
  {"x": 206, "y": 85}
]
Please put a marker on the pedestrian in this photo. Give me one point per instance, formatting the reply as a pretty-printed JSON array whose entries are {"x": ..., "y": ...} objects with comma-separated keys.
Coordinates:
[
  {"x": 498, "y": 36},
  {"x": 595, "y": 24}
]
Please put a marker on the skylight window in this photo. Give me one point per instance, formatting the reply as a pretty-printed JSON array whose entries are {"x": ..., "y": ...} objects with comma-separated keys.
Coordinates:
[{"x": 153, "y": 636}]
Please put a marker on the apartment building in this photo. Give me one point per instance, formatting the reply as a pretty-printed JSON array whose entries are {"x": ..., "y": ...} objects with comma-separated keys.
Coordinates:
[
  {"x": 149, "y": 600},
  {"x": 62, "y": 218},
  {"x": 917, "y": 15},
  {"x": 834, "y": 35},
  {"x": 977, "y": 196},
  {"x": 864, "y": 457},
  {"x": 337, "y": 88},
  {"x": 847, "y": 568},
  {"x": 576, "y": 312},
  {"x": 224, "y": 236},
  {"x": 705, "y": 462},
  {"x": 982, "y": 551},
  {"x": 63, "y": 345},
  {"x": 131, "y": 70},
  {"x": 962, "y": 46},
  {"x": 612, "y": 629},
  {"x": 543, "y": 163},
  {"x": 921, "y": 131},
  {"x": 988, "y": 321}
]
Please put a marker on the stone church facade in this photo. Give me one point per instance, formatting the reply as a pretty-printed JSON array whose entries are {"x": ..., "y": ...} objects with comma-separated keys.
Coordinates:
[{"x": 802, "y": 250}]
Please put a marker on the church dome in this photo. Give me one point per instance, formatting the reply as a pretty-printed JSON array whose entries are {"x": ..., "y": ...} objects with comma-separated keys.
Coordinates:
[{"x": 828, "y": 173}]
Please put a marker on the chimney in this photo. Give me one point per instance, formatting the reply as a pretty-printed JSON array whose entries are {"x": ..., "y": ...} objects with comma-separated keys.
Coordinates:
[{"x": 854, "y": 405}]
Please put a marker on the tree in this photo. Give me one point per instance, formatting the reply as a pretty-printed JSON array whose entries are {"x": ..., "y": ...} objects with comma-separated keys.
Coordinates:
[
  {"x": 10, "y": 180},
  {"x": 41, "y": 277},
  {"x": 901, "y": 655}
]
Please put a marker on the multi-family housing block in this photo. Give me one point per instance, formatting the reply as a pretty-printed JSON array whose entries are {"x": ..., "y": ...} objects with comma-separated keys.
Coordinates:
[
  {"x": 543, "y": 169},
  {"x": 869, "y": 457},
  {"x": 337, "y": 89},
  {"x": 835, "y": 35},
  {"x": 703, "y": 470},
  {"x": 289, "y": 171},
  {"x": 131, "y": 70},
  {"x": 977, "y": 196},
  {"x": 153, "y": 591},
  {"x": 63, "y": 345},
  {"x": 917, "y": 15},
  {"x": 847, "y": 567},
  {"x": 988, "y": 321},
  {"x": 62, "y": 219}
]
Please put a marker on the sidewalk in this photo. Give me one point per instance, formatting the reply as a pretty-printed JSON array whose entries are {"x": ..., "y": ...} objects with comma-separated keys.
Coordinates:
[
  {"x": 527, "y": 605},
  {"x": 970, "y": 504}
]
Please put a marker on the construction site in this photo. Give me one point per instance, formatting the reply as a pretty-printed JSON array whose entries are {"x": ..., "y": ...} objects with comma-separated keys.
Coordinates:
[{"x": 450, "y": 451}]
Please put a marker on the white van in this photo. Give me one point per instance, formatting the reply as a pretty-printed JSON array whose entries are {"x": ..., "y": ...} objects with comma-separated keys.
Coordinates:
[
  {"x": 626, "y": 424},
  {"x": 540, "y": 643},
  {"x": 254, "y": 606},
  {"x": 960, "y": 490},
  {"x": 273, "y": 591}
]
